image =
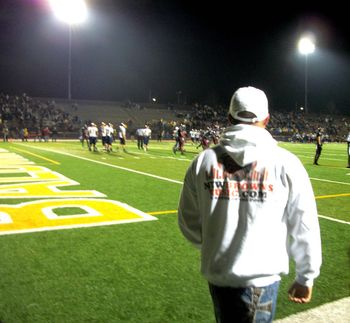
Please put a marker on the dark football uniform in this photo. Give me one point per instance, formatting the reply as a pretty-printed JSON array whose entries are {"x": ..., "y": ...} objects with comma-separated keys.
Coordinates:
[
  {"x": 318, "y": 146},
  {"x": 348, "y": 140}
]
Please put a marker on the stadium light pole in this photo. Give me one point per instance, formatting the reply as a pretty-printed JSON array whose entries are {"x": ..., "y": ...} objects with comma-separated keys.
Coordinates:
[
  {"x": 72, "y": 12},
  {"x": 306, "y": 47}
]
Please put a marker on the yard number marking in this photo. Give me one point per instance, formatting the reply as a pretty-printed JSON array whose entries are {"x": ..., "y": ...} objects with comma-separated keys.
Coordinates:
[{"x": 21, "y": 179}]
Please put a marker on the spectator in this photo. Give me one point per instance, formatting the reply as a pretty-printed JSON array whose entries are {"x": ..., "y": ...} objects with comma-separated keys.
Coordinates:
[{"x": 248, "y": 205}]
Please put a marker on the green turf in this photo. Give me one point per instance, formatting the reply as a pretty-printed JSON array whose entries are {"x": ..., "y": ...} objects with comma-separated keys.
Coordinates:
[
  {"x": 146, "y": 271},
  {"x": 69, "y": 211}
]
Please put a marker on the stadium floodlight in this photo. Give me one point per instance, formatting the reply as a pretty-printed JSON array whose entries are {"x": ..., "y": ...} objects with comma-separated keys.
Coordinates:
[
  {"x": 72, "y": 12},
  {"x": 306, "y": 47},
  {"x": 69, "y": 11}
]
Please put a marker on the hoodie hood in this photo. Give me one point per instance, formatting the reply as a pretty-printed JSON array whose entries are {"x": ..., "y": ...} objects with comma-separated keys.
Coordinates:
[{"x": 247, "y": 143}]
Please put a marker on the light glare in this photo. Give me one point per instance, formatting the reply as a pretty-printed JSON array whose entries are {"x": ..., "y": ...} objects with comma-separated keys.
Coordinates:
[
  {"x": 69, "y": 11},
  {"x": 306, "y": 46}
]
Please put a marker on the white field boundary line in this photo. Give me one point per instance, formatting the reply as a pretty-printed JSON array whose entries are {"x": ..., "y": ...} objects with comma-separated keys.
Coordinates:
[{"x": 110, "y": 165}]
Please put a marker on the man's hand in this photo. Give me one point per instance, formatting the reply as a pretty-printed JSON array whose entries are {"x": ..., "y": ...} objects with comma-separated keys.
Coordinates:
[{"x": 299, "y": 293}]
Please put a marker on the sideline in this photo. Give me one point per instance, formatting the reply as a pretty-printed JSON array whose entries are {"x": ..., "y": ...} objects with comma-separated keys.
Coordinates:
[{"x": 334, "y": 312}]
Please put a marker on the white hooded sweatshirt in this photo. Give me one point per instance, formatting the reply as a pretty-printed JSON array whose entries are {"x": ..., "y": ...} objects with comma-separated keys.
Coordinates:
[{"x": 249, "y": 205}]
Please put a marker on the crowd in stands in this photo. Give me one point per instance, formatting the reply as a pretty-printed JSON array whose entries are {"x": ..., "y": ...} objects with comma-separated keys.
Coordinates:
[
  {"x": 21, "y": 115},
  {"x": 286, "y": 126},
  {"x": 301, "y": 127}
]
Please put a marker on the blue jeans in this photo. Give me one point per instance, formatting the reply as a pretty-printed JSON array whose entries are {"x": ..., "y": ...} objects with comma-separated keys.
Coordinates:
[{"x": 244, "y": 305}]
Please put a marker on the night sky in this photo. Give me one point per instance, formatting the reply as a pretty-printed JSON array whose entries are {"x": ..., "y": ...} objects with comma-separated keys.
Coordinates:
[{"x": 128, "y": 49}]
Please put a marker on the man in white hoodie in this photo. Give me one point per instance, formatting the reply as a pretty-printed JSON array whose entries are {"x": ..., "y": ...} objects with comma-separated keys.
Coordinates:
[{"x": 248, "y": 205}]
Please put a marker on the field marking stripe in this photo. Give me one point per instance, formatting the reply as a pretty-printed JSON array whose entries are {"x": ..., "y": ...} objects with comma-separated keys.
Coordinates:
[
  {"x": 72, "y": 226},
  {"x": 163, "y": 212},
  {"x": 42, "y": 157},
  {"x": 320, "y": 216},
  {"x": 330, "y": 196},
  {"x": 328, "y": 181},
  {"x": 323, "y": 157},
  {"x": 333, "y": 219},
  {"x": 113, "y": 166}
]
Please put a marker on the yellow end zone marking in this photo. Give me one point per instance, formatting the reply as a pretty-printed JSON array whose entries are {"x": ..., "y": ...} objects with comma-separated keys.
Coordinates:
[
  {"x": 34, "y": 174},
  {"x": 45, "y": 189},
  {"x": 40, "y": 215},
  {"x": 39, "y": 156}
]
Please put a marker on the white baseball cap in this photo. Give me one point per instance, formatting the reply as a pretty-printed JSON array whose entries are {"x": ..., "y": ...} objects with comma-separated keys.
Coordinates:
[{"x": 249, "y": 99}]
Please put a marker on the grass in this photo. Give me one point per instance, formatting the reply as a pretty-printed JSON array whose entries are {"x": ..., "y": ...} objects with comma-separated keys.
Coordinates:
[{"x": 144, "y": 271}]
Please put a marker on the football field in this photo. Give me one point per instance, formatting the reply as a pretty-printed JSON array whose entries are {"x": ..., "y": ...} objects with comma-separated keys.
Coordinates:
[{"x": 93, "y": 236}]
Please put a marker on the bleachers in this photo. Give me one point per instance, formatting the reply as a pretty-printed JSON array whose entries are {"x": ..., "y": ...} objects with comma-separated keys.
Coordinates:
[{"x": 116, "y": 112}]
